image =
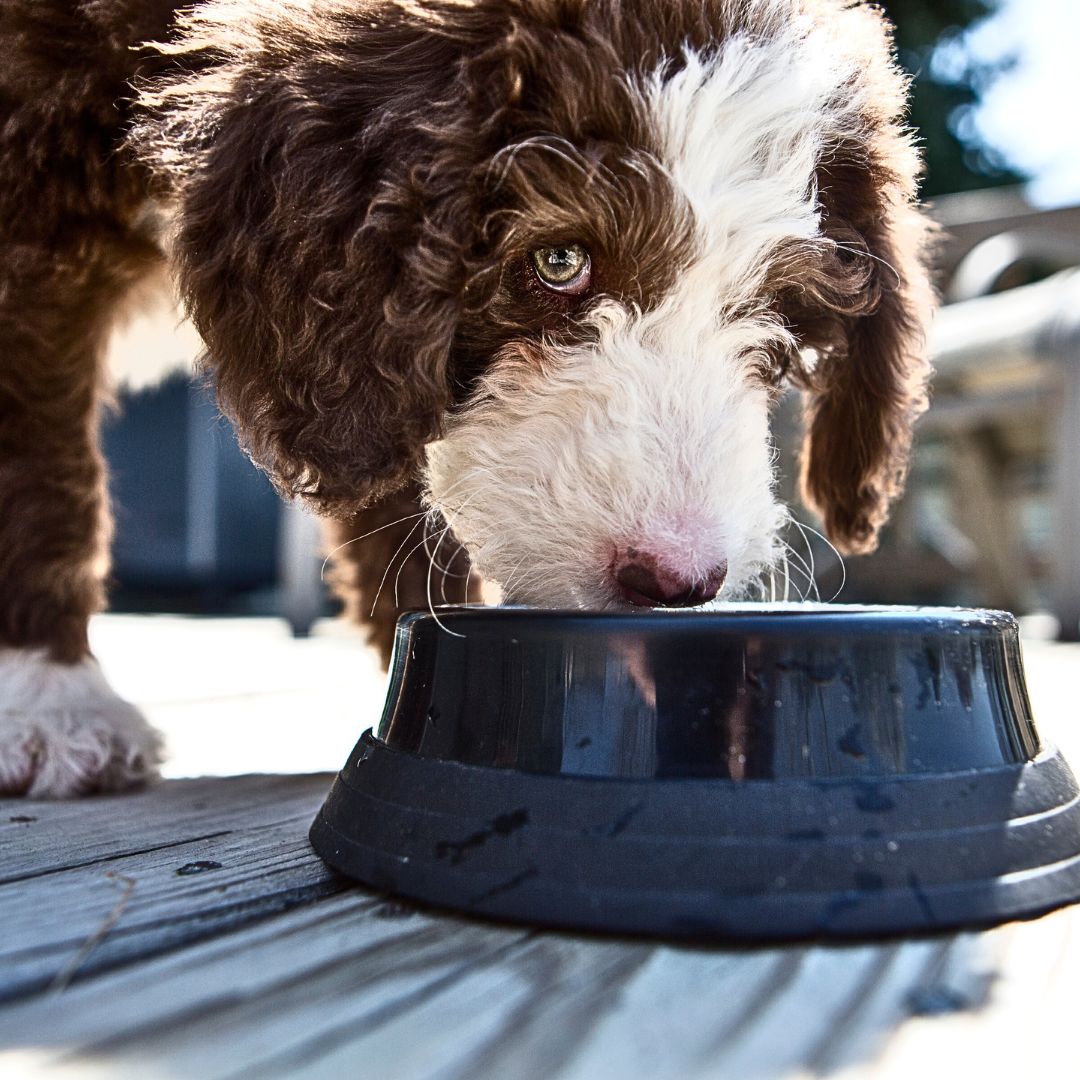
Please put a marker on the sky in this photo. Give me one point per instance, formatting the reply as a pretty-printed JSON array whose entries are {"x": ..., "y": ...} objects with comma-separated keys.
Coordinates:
[{"x": 1032, "y": 112}]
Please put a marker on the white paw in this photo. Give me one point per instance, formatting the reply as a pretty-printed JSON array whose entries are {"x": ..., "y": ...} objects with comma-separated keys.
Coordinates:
[{"x": 64, "y": 731}]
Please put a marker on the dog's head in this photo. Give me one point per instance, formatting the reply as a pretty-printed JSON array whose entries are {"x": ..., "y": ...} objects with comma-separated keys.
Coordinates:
[{"x": 559, "y": 255}]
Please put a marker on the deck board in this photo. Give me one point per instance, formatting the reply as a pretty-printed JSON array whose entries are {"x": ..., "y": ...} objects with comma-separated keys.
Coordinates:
[
  {"x": 172, "y": 879},
  {"x": 258, "y": 962},
  {"x": 65, "y": 835},
  {"x": 220, "y": 985}
]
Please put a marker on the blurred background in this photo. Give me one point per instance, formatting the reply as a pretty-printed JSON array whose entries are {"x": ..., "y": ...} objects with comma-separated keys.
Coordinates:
[{"x": 992, "y": 514}]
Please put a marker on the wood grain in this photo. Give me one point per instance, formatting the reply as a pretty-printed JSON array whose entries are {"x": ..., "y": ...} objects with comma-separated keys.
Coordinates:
[
  {"x": 38, "y": 837},
  {"x": 348, "y": 980},
  {"x": 192, "y": 858}
]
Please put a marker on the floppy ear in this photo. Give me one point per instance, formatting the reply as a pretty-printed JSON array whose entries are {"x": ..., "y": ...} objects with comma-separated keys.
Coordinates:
[
  {"x": 319, "y": 237},
  {"x": 865, "y": 314},
  {"x": 869, "y": 387}
]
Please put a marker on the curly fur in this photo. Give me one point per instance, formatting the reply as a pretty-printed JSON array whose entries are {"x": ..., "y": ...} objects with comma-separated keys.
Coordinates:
[{"x": 353, "y": 187}]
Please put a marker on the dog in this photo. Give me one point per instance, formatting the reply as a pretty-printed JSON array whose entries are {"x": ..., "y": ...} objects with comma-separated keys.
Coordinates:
[{"x": 538, "y": 266}]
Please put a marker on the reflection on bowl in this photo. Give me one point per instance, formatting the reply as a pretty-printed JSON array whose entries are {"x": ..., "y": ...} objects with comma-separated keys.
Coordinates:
[{"x": 747, "y": 693}]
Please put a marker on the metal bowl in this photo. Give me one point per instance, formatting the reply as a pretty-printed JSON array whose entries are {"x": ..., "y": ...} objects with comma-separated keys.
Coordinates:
[{"x": 763, "y": 772}]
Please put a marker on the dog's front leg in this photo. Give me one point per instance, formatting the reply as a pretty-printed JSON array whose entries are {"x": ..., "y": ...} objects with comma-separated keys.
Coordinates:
[{"x": 63, "y": 730}]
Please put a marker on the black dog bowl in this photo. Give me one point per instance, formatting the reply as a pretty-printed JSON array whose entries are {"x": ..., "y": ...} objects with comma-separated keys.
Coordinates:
[{"x": 753, "y": 773}]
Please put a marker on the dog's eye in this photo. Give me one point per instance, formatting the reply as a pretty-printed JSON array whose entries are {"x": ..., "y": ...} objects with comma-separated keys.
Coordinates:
[{"x": 566, "y": 270}]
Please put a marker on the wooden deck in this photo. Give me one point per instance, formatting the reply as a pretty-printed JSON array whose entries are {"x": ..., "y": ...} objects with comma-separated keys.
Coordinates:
[{"x": 189, "y": 932}]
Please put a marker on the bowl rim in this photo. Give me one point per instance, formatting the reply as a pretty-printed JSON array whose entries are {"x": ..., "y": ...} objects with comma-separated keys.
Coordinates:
[{"x": 734, "y": 612}]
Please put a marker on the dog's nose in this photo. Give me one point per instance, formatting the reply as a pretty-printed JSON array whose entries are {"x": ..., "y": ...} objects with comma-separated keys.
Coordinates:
[{"x": 643, "y": 582}]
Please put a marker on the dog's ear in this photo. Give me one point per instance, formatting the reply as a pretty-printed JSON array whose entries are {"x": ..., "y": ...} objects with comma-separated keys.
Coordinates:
[
  {"x": 868, "y": 385},
  {"x": 863, "y": 308},
  {"x": 319, "y": 234}
]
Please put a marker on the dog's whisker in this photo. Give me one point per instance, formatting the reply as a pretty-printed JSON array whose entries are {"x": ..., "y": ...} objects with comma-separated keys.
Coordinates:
[
  {"x": 364, "y": 536},
  {"x": 463, "y": 579},
  {"x": 801, "y": 583},
  {"x": 795, "y": 565},
  {"x": 802, "y": 568},
  {"x": 372, "y": 532},
  {"x": 809, "y": 563},
  {"x": 431, "y": 607},
  {"x": 513, "y": 577},
  {"x": 430, "y": 555},
  {"x": 390, "y": 563},
  {"x": 792, "y": 583},
  {"x": 832, "y": 548},
  {"x": 806, "y": 540},
  {"x": 432, "y": 515},
  {"x": 401, "y": 568},
  {"x": 422, "y": 517},
  {"x": 446, "y": 571}
]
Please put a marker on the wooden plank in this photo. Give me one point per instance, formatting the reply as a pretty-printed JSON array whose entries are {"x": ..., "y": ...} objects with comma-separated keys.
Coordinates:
[
  {"x": 72, "y": 924},
  {"x": 352, "y": 979},
  {"x": 215, "y": 1006},
  {"x": 352, "y": 983},
  {"x": 1024, "y": 1029},
  {"x": 460, "y": 1004},
  {"x": 94, "y": 884},
  {"x": 39, "y": 837}
]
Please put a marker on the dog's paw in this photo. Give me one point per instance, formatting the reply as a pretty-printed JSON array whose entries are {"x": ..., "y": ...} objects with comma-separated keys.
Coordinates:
[{"x": 64, "y": 731}]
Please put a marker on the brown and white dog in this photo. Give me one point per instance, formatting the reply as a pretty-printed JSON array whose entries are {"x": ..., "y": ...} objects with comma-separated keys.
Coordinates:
[{"x": 537, "y": 265}]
